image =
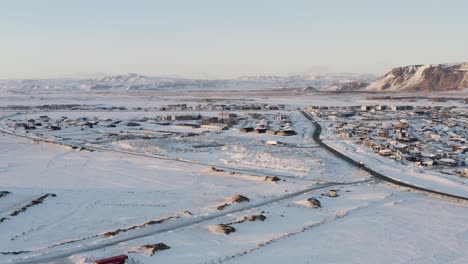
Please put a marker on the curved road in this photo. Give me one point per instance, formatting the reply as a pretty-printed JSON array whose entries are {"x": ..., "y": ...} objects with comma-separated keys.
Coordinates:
[
  {"x": 316, "y": 137},
  {"x": 60, "y": 255},
  {"x": 144, "y": 233}
]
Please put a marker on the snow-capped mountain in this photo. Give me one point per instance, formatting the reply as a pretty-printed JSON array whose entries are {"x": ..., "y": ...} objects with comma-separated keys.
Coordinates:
[
  {"x": 137, "y": 82},
  {"x": 132, "y": 81},
  {"x": 430, "y": 77},
  {"x": 125, "y": 78},
  {"x": 322, "y": 81}
]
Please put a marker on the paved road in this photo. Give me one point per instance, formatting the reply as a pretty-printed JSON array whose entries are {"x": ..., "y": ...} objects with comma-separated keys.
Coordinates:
[
  {"x": 58, "y": 256},
  {"x": 136, "y": 234},
  {"x": 316, "y": 137}
]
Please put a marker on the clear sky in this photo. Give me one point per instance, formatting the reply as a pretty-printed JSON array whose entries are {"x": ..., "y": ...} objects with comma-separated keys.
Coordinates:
[{"x": 221, "y": 38}]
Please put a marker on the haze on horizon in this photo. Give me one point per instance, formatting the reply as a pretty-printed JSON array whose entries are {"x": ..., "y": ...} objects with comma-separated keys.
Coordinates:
[{"x": 223, "y": 39}]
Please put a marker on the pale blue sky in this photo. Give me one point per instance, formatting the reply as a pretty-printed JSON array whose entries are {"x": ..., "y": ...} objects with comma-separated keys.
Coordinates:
[{"x": 216, "y": 38}]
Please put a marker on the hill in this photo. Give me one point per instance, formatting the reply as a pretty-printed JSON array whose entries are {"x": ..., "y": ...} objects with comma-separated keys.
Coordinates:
[{"x": 430, "y": 77}]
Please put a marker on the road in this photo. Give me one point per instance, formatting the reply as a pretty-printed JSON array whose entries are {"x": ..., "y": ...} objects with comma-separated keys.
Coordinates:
[
  {"x": 56, "y": 256},
  {"x": 141, "y": 233},
  {"x": 316, "y": 137}
]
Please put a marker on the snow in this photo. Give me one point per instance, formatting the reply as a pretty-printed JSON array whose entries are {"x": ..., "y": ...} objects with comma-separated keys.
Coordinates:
[
  {"x": 126, "y": 184},
  {"x": 400, "y": 230},
  {"x": 412, "y": 76},
  {"x": 390, "y": 168}
]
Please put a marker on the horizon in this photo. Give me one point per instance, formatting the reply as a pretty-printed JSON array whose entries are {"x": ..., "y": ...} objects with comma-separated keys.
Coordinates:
[
  {"x": 321, "y": 71},
  {"x": 90, "y": 76},
  {"x": 248, "y": 131},
  {"x": 213, "y": 40}
]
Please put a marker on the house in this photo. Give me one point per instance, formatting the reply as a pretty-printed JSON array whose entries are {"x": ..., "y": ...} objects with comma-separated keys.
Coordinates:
[
  {"x": 447, "y": 162},
  {"x": 345, "y": 134},
  {"x": 427, "y": 163},
  {"x": 184, "y": 117},
  {"x": 385, "y": 152},
  {"x": 188, "y": 125},
  {"x": 89, "y": 124},
  {"x": 401, "y": 107},
  {"x": 133, "y": 124},
  {"x": 21, "y": 125},
  {"x": 403, "y": 124},
  {"x": 381, "y": 107},
  {"x": 286, "y": 133},
  {"x": 435, "y": 137},
  {"x": 207, "y": 121},
  {"x": 216, "y": 126},
  {"x": 382, "y": 133},
  {"x": 274, "y": 143},
  {"x": 259, "y": 130},
  {"x": 229, "y": 115},
  {"x": 246, "y": 129}
]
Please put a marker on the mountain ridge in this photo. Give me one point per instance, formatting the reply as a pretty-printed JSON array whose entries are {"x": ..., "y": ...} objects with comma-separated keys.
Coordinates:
[
  {"x": 424, "y": 77},
  {"x": 135, "y": 82}
]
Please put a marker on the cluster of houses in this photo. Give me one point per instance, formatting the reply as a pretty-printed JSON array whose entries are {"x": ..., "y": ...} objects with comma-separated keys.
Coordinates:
[
  {"x": 32, "y": 124},
  {"x": 435, "y": 138},
  {"x": 280, "y": 125},
  {"x": 368, "y": 112},
  {"x": 221, "y": 107},
  {"x": 221, "y": 122},
  {"x": 385, "y": 107}
]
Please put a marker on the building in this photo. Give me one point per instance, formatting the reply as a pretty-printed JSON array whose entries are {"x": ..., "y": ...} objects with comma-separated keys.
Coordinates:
[
  {"x": 188, "y": 125},
  {"x": 216, "y": 126},
  {"x": 366, "y": 108},
  {"x": 246, "y": 129},
  {"x": 184, "y": 117},
  {"x": 286, "y": 133},
  {"x": 259, "y": 130},
  {"x": 401, "y": 107},
  {"x": 274, "y": 143},
  {"x": 381, "y": 107}
]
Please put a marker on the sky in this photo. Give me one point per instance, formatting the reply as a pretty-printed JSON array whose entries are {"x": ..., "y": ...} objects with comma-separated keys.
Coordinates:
[{"x": 226, "y": 39}]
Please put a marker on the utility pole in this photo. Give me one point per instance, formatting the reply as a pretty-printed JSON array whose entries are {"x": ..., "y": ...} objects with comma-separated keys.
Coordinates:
[
  {"x": 459, "y": 158},
  {"x": 222, "y": 114}
]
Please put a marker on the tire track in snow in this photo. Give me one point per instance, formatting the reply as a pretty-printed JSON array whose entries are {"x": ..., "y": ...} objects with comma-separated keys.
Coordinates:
[
  {"x": 306, "y": 228},
  {"x": 53, "y": 256}
]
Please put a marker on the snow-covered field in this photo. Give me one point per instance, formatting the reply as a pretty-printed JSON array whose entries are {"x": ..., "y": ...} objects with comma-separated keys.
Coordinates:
[{"x": 62, "y": 205}]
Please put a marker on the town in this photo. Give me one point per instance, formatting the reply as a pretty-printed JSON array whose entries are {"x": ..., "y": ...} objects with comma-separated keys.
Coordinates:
[{"x": 421, "y": 136}]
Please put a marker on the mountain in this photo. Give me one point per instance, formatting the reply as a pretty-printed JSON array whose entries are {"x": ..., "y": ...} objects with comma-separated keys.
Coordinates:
[
  {"x": 125, "y": 78},
  {"x": 132, "y": 81},
  {"x": 321, "y": 81},
  {"x": 431, "y": 77},
  {"x": 347, "y": 86},
  {"x": 137, "y": 82}
]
